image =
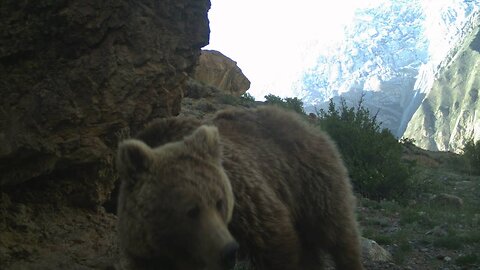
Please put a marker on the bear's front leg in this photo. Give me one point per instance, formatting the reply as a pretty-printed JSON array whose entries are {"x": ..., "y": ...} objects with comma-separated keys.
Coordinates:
[
  {"x": 346, "y": 249},
  {"x": 276, "y": 245}
]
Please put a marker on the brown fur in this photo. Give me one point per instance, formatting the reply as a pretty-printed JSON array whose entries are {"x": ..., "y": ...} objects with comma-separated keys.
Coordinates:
[{"x": 285, "y": 194}]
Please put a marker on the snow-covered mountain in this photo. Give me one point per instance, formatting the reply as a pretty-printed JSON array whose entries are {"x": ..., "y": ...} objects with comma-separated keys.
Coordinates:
[{"x": 391, "y": 52}]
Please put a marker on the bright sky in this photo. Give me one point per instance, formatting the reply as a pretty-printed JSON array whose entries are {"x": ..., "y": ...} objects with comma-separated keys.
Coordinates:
[{"x": 274, "y": 40}]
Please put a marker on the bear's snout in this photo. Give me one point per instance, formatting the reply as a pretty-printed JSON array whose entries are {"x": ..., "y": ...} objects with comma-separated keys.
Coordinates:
[{"x": 229, "y": 255}]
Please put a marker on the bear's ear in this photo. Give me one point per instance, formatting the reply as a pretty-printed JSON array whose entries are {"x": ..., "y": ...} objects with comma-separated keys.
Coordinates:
[
  {"x": 134, "y": 157},
  {"x": 205, "y": 141}
]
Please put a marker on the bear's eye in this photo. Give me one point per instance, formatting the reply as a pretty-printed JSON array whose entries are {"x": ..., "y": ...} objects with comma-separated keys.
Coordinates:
[
  {"x": 220, "y": 206},
  {"x": 194, "y": 212}
]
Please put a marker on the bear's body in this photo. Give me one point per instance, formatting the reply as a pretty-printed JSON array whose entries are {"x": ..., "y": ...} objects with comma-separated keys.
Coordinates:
[{"x": 262, "y": 178}]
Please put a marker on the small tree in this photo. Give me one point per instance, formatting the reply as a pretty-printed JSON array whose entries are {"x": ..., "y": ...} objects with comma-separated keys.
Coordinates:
[
  {"x": 274, "y": 100},
  {"x": 247, "y": 97},
  {"x": 372, "y": 154},
  {"x": 294, "y": 104},
  {"x": 471, "y": 153}
]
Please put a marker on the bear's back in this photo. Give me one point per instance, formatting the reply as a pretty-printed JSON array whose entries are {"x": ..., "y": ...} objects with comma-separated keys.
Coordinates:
[
  {"x": 274, "y": 149},
  {"x": 167, "y": 130},
  {"x": 278, "y": 131}
]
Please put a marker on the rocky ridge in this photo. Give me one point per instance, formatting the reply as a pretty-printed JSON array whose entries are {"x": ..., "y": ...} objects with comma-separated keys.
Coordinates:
[
  {"x": 450, "y": 113},
  {"x": 217, "y": 70}
]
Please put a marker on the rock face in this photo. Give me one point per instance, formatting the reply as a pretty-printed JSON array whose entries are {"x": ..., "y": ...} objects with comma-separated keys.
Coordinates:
[
  {"x": 450, "y": 113},
  {"x": 75, "y": 77},
  {"x": 77, "y": 74},
  {"x": 217, "y": 70}
]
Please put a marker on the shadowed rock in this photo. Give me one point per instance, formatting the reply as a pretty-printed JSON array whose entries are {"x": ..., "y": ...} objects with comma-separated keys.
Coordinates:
[
  {"x": 75, "y": 77},
  {"x": 76, "y": 74}
]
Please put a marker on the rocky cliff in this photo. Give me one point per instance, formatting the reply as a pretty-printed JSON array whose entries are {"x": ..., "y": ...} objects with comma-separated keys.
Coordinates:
[
  {"x": 217, "y": 70},
  {"x": 450, "y": 113},
  {"x": 76, "y": 72},
  {"x": 75, "y": 77}
]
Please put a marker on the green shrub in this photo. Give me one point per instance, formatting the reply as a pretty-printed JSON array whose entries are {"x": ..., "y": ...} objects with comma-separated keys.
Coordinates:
[
  {"x": 372, "y": 154},
  {"x": 470, "y": 259},
  {"x": 471, "y": 153},
  {"x": 229, "y": 99},
  {"x": 274, "y": 100},
  {"x": 449, "y": 242},
  {"x": 243, "y": 100},
  {"x": 247, "y": 97},
  {"x": 407, "y": 141},
  {"x": 458, "y": 163},
  {"x": 294, "y": 104}
]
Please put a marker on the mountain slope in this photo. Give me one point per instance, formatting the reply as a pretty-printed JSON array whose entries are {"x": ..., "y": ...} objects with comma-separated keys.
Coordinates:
[
  {"x": 392, "y": 52},
  {"x": 450, "y": 113}
]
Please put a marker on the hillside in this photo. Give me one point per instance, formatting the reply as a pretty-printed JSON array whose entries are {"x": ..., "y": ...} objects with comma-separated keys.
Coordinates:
[
  {"x": 450, "y": 113},
  {"x": 437, "y": 227}
]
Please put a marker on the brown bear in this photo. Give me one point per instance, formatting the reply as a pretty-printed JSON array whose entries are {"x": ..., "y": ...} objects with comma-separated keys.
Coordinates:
[{"x": 261, "y": 180}]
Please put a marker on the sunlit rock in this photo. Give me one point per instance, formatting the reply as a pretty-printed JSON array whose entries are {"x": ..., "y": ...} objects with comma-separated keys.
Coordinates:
[{"x": 217, "y": 70}]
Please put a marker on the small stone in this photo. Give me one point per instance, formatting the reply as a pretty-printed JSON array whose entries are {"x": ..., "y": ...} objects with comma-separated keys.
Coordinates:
[
  {"x": 438, "y": 231},
  {"x": 447, "y": 259},
  {"x": 374, "y": 251}
]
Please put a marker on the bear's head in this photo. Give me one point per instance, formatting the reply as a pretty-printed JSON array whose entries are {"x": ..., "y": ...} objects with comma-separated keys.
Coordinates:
[{"x": 175, "y": 204}]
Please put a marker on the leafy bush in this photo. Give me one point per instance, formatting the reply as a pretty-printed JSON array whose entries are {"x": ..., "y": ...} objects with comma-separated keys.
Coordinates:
[
  {"x": 229, "y": 99},
  {"x": 468, "y": 260},
  {"x": 372, "y": 154},
  {"x": 274, "y": 100},
  {"x": 243, "y": 100},
  {"x": 449, "y": 242},
  {"x": 294, "y": 104},
  {"x": 407, "y": 141},
  {"x": 471, "y": 153},
  {"x": 247, "y": 97}
]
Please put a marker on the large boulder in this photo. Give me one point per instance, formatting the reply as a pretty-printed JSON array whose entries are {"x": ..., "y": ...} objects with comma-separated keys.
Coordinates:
[
  {"x": 219, "y": 71},
  {"x": 76, "y": 75}
]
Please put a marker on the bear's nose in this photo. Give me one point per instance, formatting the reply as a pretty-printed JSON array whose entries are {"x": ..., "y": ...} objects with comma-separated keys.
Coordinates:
[{"x": 229, "y": 255}]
